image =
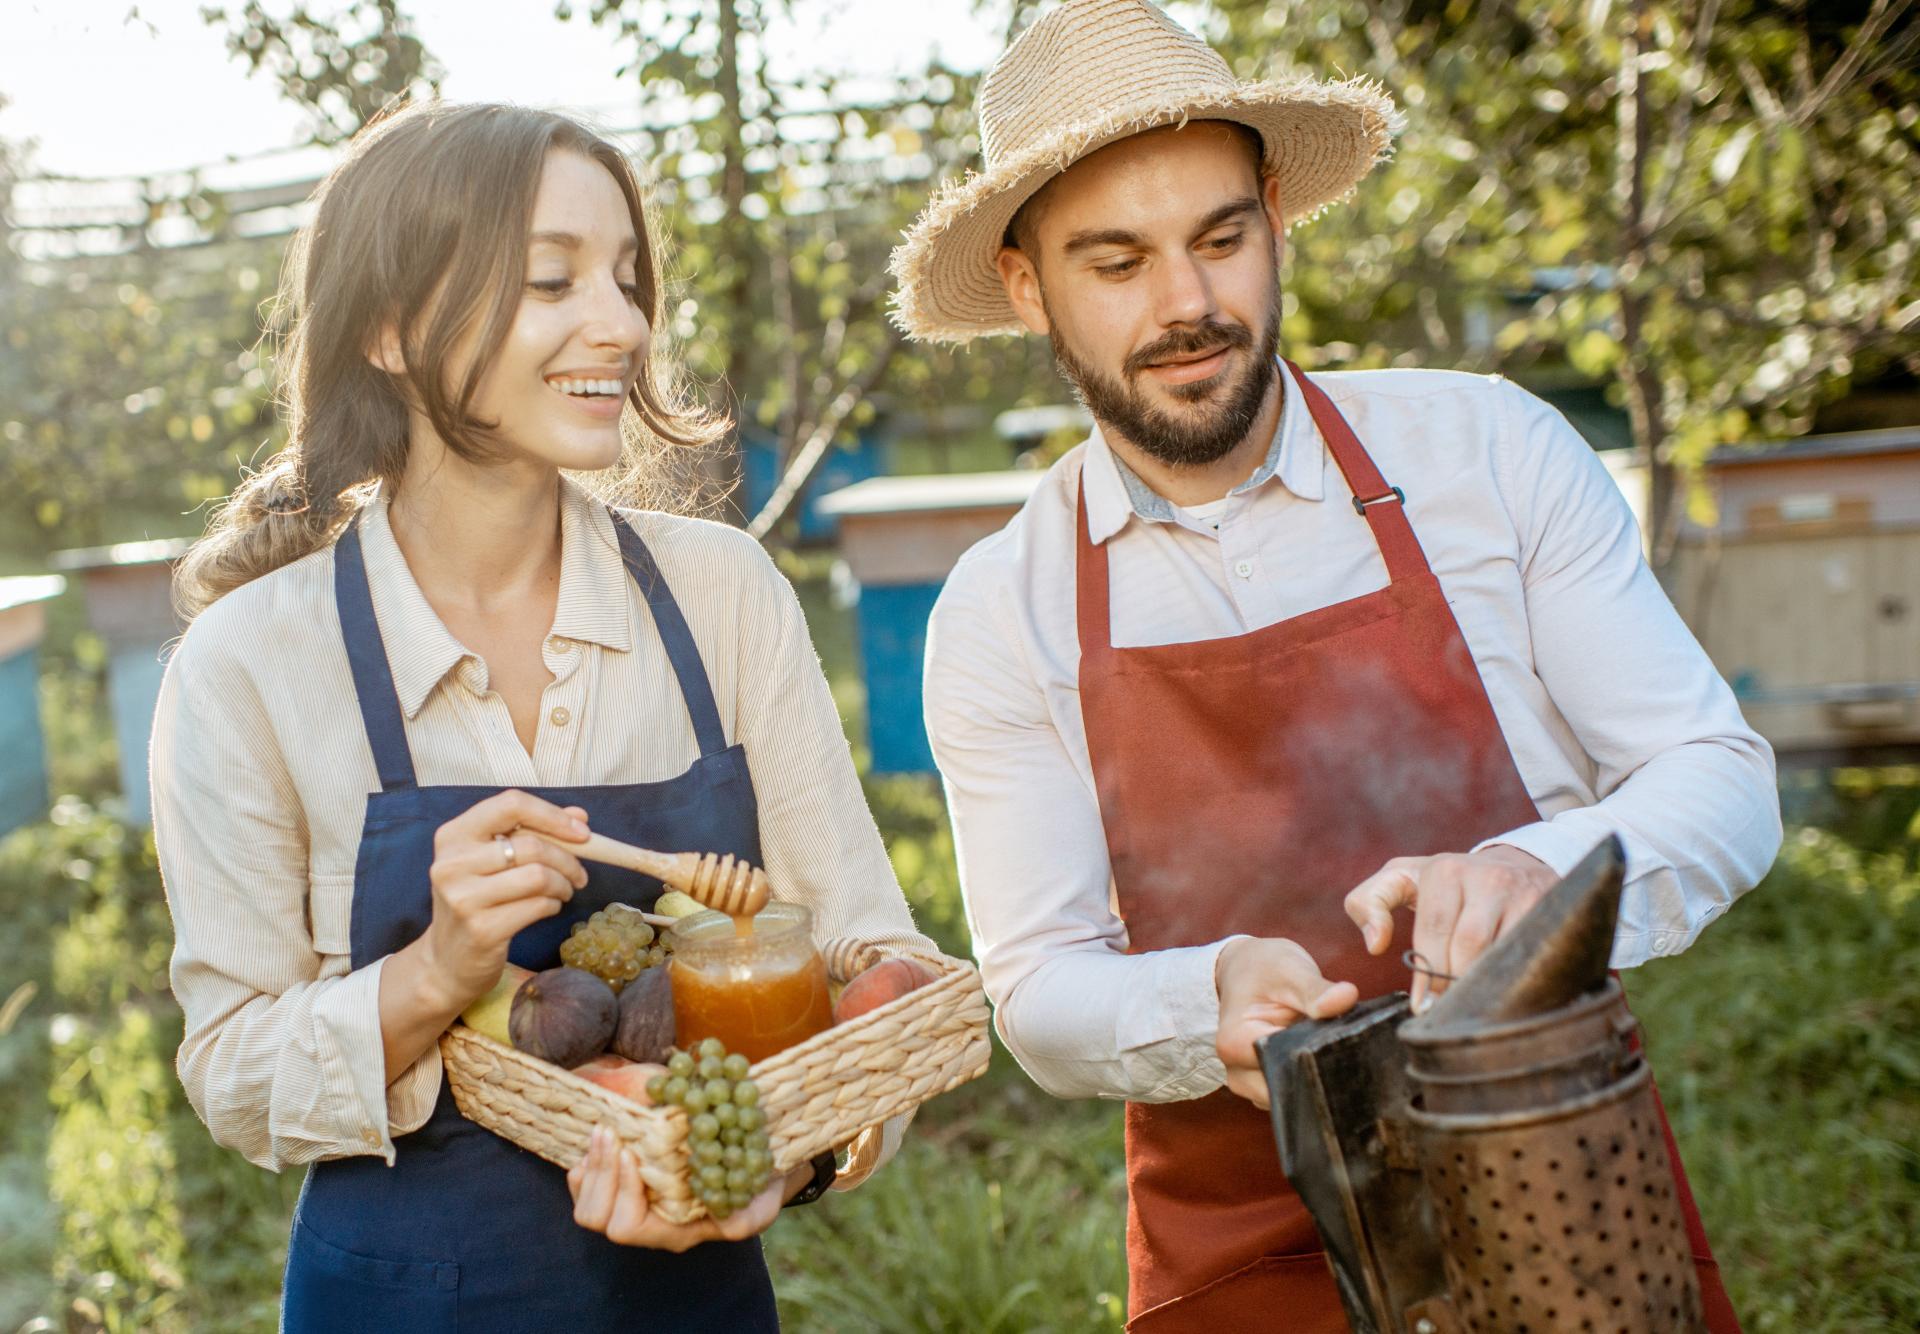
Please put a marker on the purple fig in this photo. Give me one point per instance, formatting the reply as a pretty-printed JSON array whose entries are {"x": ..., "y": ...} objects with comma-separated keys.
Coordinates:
[
  {"x": 645, "y": 1029},
  {"x": 564, "y": 1016}
]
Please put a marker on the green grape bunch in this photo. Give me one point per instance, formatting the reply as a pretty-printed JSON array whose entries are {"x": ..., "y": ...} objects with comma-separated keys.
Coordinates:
[
  {"x": 615, "y": 945},
  {"x": 727, "y": 1140}
]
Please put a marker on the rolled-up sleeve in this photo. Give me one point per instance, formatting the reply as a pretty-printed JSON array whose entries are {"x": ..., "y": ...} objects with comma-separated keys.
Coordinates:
[
  {"x": 1082, "y": 1016},
  {"x": 282, "y": 1056},
  {"x": 1688, "y": 786}
]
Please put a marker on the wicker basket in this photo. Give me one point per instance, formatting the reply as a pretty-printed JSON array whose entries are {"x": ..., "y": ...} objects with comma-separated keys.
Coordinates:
[{"x": 833, "y": 1090}]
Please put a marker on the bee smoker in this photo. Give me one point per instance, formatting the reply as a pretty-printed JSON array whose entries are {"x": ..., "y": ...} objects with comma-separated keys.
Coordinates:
[{"x": 1495, "y": 1164}]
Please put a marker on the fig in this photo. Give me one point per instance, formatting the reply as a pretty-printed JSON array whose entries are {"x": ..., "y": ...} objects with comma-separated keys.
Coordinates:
[
  {"x": 564, "y": 1016},
  {"x": 885, "y": 981},
  {"x": 644, "y": 1030},
  {"x": 489, "y": 1014}
]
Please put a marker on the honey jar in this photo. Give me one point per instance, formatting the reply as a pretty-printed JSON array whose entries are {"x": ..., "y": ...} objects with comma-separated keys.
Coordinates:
[{"x": 759, "y": 986}]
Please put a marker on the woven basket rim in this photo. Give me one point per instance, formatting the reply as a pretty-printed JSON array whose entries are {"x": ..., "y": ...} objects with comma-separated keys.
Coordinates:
[{"x": 947, "y": 969}]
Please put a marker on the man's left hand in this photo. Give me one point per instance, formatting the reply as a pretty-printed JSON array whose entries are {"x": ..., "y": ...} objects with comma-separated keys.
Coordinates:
[{"x": 1462, "y": 903}]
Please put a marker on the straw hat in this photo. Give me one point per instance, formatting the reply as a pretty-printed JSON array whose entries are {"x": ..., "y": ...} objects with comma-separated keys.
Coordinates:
[{"x": 1091, "y": 72}]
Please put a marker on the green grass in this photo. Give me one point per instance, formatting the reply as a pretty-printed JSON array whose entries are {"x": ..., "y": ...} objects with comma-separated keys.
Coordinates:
[{"x": 1787, "y": 1043}]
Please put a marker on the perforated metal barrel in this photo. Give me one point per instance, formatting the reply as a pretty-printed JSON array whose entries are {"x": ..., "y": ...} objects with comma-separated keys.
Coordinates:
[
  {"x": 1563, "y": 1217},
  {"x": 1543, "y": 1059}
]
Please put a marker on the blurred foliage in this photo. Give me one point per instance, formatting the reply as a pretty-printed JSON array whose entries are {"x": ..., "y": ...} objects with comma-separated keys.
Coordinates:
[
  {"x": 130, "y": 384},
  {"x": 1714, "y": 204},
  {"x": 787, "y": 193},
  {"x": 344, "y": 65},
  {"x": 1026, "y": 1240},
  {"x": 1787, "y": 1044}
]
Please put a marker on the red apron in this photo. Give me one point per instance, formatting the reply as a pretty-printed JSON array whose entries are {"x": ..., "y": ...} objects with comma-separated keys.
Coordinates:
[{"x": 1246, "y": 784}]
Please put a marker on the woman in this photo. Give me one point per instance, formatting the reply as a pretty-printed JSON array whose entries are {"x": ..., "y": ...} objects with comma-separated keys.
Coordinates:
[{"x": 417, "y": 646}]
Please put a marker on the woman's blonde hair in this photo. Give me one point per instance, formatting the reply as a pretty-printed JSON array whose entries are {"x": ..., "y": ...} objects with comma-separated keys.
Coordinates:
[{"x": 422, "y": 227}]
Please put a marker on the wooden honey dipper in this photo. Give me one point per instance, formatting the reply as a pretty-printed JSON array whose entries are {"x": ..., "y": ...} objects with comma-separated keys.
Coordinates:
[
  {"x": 725, "y": 883},
  {"x": 847, "y": 958}
]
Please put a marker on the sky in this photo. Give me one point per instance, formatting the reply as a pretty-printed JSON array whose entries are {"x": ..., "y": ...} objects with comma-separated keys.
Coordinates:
[{"x": 119, "y": 87}]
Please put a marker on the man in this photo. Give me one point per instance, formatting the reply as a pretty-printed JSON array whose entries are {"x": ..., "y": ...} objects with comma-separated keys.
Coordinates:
[{"x": 1268, "y": 658}]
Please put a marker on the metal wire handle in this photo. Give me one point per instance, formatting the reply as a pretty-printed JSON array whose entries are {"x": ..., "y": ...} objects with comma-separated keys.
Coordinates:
[{"x": 1417, "y": 962}]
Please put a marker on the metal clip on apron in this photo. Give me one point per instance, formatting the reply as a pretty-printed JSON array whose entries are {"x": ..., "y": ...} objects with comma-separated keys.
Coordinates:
[
  {"x": 465, "y": 1231},
  {"x": 1246, "y": 784}
]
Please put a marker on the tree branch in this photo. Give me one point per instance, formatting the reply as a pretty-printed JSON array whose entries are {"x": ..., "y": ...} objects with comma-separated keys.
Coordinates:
[
  {"x": 800, "y": 471},
  {"x": 1877, "y": 21}
]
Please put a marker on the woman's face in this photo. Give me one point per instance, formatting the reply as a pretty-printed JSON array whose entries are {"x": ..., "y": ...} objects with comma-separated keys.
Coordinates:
[{"x": 579, "y": 341}]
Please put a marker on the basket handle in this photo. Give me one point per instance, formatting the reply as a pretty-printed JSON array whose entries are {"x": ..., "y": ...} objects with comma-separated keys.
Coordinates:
[{"x": 863, "y": 1156}]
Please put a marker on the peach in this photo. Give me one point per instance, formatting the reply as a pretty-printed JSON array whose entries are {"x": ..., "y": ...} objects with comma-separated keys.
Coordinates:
[
  {"x": 618, "y": 1075},
  {"x": 886, "y": 981}
]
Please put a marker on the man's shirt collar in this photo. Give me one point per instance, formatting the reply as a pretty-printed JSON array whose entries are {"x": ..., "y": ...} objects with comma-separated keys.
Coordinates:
[{"x": 1296, "y": 457}]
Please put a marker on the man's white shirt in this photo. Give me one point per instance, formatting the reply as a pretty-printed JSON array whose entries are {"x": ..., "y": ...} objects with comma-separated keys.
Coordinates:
[{"x": 1617, "y": 721}]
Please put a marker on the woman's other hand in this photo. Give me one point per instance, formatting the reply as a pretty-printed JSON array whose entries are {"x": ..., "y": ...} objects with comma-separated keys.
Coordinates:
[
  {"x": 610, "y": 1198},
  {"x": 493, "y": 876}
]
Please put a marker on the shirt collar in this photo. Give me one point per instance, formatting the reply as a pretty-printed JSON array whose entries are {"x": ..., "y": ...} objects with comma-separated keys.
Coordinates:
[
  {"x": 1296, "y": 456},
  {"x": 592, "y": 607}
]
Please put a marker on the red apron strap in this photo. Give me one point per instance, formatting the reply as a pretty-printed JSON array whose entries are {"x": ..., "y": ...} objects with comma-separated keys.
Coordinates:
[
  {"x": 1384, "y": 506},
  {"x": 1092, "y": 604}
]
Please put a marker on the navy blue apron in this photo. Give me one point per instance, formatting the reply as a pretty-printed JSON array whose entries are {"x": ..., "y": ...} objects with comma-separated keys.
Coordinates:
[{"x": 465, "y": 1231}]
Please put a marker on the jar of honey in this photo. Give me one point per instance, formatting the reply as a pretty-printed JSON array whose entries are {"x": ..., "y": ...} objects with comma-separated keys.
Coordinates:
[{"x": 758, "y": 985}]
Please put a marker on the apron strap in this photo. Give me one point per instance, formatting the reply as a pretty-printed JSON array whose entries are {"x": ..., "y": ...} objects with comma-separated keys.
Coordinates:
[
  {"x": 1383, "y": 506},
  {"x": 675, "y": 636},
  {"x": 372, "y": 674}
]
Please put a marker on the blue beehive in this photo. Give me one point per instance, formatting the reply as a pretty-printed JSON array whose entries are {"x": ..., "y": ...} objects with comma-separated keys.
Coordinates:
[
  {"x": 23, "y": 746},
  {"x": 760, "y": 474},
  {"x": 901, "y": 537},
  {"x": 130, "y": 606}
]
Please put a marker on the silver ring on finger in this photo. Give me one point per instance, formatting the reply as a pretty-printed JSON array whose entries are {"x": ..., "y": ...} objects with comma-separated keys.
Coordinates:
[{"x": 508, "y": 853}]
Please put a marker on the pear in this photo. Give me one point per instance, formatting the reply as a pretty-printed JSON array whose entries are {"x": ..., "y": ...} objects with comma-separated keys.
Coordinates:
[
  {"x": 489, "y": 1014},
  {"x": 675, "y": 904}
]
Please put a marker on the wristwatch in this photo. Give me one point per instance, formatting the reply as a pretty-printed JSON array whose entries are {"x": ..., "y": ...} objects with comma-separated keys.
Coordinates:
[{"x": 824, "y": 1171}]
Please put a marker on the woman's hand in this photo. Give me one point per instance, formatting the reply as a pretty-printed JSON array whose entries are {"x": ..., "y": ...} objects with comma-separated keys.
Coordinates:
[
  {"x": 610, "y": 1198},
  {"x": 489, "y": 882}
]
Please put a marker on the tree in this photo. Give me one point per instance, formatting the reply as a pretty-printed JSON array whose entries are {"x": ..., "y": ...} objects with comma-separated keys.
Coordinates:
[
  {"x": 1712, "y": 204},
  {"x": 787, "y": 193},
  {"x": 133, "y": 385},
  {"x": 344, "y": 66},
  {"x": 129, "y": 388}
]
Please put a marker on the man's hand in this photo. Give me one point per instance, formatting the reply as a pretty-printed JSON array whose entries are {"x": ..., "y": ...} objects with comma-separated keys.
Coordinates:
[
  {"x": 1462, "y": 903},
  {"x": 1264, "y": 986}
]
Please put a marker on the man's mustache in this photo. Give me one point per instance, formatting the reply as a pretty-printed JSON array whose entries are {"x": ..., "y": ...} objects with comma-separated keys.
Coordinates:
[{"x": 1188, "y": 343}]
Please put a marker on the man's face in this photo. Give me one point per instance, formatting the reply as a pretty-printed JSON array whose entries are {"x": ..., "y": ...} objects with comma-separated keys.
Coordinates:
[{"x": 1155, "y": 273}]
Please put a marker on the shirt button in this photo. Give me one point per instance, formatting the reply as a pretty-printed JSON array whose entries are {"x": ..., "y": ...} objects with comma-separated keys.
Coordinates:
[
  {"x": 559, "y": 645},
  {"x": 1244, "y": 569},
  {"x": 560, "y": 717},
  {"x": 372, "y": 1137}
]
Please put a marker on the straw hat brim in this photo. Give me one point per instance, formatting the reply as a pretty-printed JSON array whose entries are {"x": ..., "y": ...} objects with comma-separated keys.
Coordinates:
[{"x": 1321, "y": 138}]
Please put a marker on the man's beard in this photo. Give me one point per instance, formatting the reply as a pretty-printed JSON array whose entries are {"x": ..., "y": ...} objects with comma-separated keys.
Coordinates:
[{"x": 1201, "y": 436}]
